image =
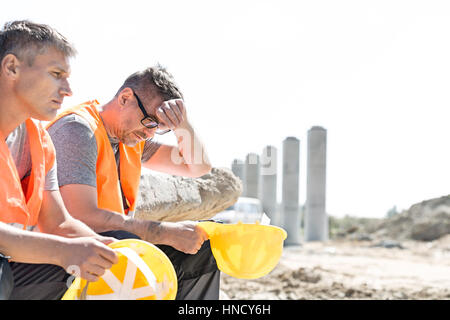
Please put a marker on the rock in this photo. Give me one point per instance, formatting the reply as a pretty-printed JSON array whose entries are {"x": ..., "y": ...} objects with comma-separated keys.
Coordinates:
[
  {"x": 164, "y": 197},
  {"x": 349, "y": 292},
  {"x": 361, "y": 237},
  {"x": 389, "y": 244},
  {"x": 352, "y": 229}
]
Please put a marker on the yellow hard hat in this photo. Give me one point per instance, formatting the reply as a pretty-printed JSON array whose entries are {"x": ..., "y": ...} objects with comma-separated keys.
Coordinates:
[
  {"x": 143, "y": 272},
  {"x": 243, "y": 250}
]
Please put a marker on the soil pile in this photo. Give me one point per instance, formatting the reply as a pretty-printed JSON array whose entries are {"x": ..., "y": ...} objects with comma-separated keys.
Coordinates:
[
  {"x": 425, "y": 221},
  {"x": 343, "y": 269},
  {"x": 405, "y": 256}
]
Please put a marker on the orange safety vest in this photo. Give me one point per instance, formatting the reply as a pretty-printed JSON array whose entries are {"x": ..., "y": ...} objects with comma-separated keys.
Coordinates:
[
  {"x": 109, "y": 196},
  {"x": 21, "y": 201}
]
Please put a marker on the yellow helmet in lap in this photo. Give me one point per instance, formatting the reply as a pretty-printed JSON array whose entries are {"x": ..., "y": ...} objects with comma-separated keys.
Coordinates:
[{"x": 143, "y": 272}]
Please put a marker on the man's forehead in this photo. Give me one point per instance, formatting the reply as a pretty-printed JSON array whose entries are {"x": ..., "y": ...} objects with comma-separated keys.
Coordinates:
[
  {"x": 155, "y": 102},
  {"x": 64, "y": 67},
  {"x": 150, "y": 99},
  {"x": 53, "y": 58}
]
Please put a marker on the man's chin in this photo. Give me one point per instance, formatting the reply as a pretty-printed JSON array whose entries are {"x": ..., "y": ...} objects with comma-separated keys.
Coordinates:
[
  {"x": 130, "y": 142},
  {"x": 48, "y": 116}
]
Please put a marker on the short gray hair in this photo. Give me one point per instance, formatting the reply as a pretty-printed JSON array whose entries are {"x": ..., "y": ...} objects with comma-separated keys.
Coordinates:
[
  {"x": 26, "y": 39},
  {"x": 153, "y": 81}
]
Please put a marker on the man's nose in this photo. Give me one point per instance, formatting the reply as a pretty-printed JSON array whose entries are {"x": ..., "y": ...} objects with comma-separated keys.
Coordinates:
[{"x": 65, "y": 89}]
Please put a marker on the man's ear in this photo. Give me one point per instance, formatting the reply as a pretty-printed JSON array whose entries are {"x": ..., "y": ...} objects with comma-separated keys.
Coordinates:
[
  {"x": 10, "y": 66},
  {"x": 124, "y": 96}
]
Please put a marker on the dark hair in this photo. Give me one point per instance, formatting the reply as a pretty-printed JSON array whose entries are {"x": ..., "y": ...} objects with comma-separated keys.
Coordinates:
[
  {"x": 153, "y": 81},
  {"x": 26, "y": 39}
]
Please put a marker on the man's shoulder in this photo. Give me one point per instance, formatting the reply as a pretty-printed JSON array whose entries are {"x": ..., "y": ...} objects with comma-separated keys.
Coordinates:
[
  {"x": 18, "y": 134},
  {"x": 73, "y": 133},
  {"x": 71, "y": 123}
]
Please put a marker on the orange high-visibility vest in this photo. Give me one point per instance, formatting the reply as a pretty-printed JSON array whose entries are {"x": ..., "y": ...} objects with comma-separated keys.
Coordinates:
[
  {"x": 21, "y": 201},
  {"x": 109, "y": 196}
]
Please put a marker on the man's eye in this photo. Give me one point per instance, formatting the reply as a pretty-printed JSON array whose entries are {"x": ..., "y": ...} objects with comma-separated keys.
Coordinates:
[{"x": 57, "y": 74}]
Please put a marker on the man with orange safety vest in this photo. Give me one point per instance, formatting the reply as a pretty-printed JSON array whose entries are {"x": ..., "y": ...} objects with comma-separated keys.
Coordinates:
[
  {"x": 100, "y": 150},
  {"x": 34, "y": 67}
]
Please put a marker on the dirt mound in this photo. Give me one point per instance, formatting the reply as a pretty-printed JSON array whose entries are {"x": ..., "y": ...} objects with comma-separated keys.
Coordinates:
[
  {"x": 351, "y": 270},
  {"x": 366, "y": 259},
  {"x": 425, "y": 221}
]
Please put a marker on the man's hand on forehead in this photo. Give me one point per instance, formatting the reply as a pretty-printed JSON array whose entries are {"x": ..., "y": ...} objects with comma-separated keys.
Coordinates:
[{"x": 171, "y": 114}]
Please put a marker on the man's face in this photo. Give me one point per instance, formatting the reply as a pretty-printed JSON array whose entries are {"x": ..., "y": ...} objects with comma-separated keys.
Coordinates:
[
  {"x": 132, "y": 130},
  {"x": 41, "y": 87}
]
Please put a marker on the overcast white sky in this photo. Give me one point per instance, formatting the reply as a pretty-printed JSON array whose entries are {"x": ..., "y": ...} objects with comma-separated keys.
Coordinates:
[{"x": 375, "y": 74}]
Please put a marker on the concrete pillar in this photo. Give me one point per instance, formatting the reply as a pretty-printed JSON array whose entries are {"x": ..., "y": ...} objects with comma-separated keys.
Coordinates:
[
  {"x": 290, "y": 189},
  {"x": 316, "y": 220},
  {"x": 252, "y": 168},
  {"x": 268, "y": 183},
  {"x": 237, "y": 167}
]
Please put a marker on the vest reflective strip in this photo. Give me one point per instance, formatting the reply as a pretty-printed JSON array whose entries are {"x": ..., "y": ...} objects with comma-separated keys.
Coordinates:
[
  {"x": 131, "y": 213},
  {"x": 20, "y": 226}
]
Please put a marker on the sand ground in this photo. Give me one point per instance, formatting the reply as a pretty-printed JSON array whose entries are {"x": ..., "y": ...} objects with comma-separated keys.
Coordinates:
[{"x": 345, "y": 269}]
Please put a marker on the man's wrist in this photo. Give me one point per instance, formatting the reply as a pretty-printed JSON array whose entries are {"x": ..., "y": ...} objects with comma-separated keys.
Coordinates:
[
  {"x": 185, "y": 125},
  {"x": 131, "y": 225},
  {"x": 151, "y": 231}
]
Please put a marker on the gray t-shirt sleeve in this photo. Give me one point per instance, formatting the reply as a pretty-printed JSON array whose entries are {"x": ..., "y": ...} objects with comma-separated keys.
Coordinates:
[
  {"x": 76, "y": 151},
  {"x": 51, "y": 179},
  {"x": 150, "y": 149}
]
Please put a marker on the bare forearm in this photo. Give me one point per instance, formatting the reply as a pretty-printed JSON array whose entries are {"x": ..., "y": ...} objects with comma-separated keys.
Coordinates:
[
  {"x": 183, "y": 236},
  {"x": 54, "y": 218},
  {"x": 30, "y": 247},
  {"x": 155, "y": 232},
  {"x": 101, "y": 220},
  {"x": 73, "y": 228},
  {"x": 152, "y": 231},
  {"x": 81, "y": 202}
]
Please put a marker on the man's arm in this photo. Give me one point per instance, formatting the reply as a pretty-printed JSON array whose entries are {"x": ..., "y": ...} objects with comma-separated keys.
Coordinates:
[
  {"x": 29, "y": 247},
  {"x": 91, "y": 256},
  {"x": 94, "y": 257},
  {"x": 81, "y": 201},
  {"x": 53, "y": 215},
  {"x": 189, "y": 157},
  {"x": 54, "y": 219}
]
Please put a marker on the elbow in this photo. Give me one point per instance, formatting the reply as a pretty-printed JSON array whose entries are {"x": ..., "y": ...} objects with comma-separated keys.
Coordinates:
[
  {"x": 206, "y": 169},
  {"x": 199, "y": 171}
]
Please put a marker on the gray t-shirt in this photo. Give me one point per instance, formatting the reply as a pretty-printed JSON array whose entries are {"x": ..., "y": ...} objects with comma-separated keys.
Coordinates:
[
  {"x": 19, "y": 146},
  {"x": 76, "y": 150}
]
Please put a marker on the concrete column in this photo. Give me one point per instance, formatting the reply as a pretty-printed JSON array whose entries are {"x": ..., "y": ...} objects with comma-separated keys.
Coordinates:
[
  {"x": 237, "y": 167},
  {"x": 252, "y": 168},
  {"x": 316, "y": 220},
  {"x": 268, "y": 183},
  {"x": 290, "y": 189}
]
